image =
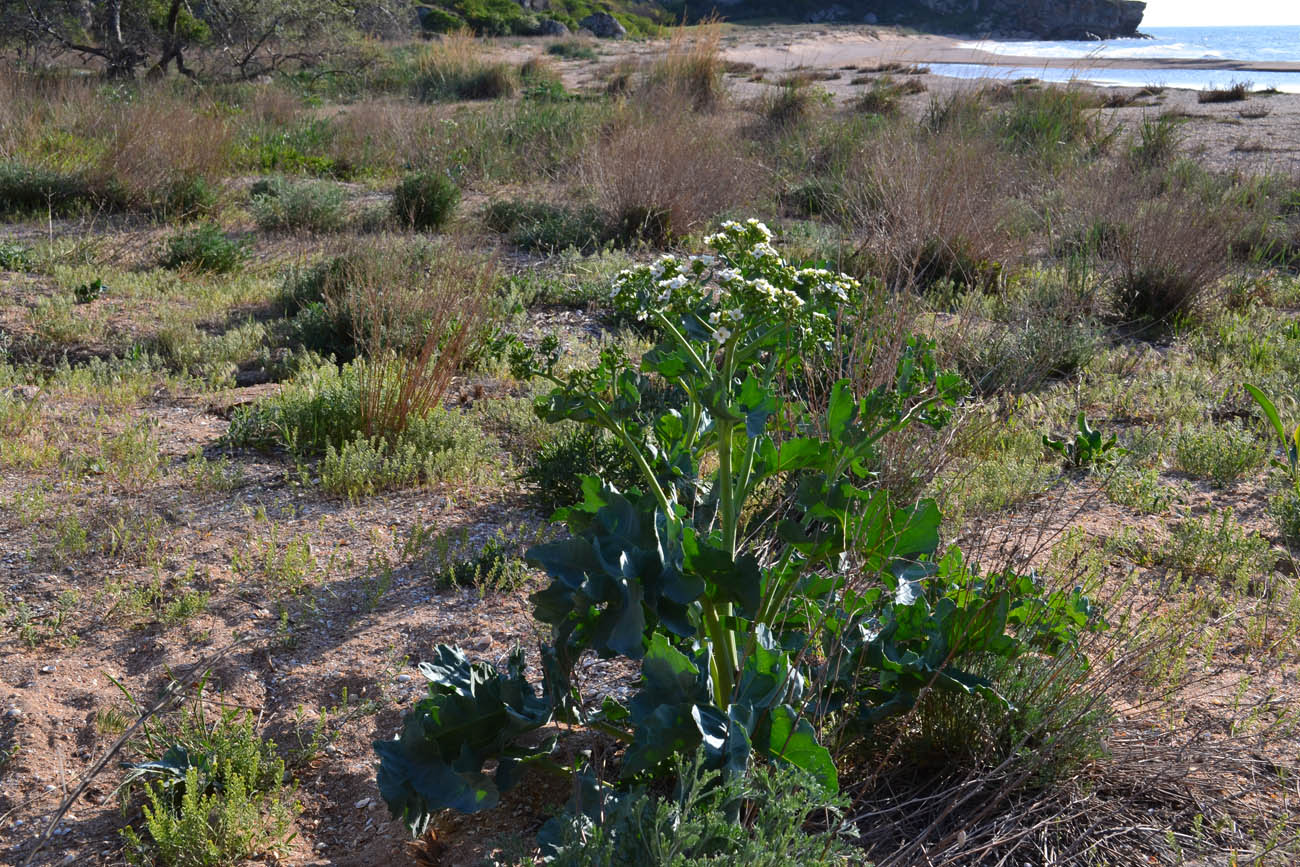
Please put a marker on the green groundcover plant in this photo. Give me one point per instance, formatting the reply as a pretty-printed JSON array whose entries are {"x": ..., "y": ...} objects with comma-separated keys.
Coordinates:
[{"x": 766, "y": 584}]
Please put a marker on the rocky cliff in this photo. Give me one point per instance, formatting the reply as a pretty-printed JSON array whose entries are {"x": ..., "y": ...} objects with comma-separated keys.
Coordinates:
[{"x": 1027, "y": 19}]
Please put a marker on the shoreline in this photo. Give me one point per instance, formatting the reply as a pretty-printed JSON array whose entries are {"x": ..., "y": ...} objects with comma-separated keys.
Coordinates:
[{"x": 840, "y": 48}]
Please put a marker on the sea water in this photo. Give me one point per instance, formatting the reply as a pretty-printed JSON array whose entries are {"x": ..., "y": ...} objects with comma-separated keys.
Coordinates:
[{"x": 1262, "y": 45}]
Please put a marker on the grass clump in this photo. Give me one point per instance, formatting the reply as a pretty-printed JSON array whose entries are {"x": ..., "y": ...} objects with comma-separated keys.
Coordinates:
[
  {"x": 1237, "y": 91},
  {"x": 453, "y": 70},
  {"x": 572, "y": 49},
  {"x": 283, "y": 205},
  {"x": 691, "y": 72},
  {"x": 1156, "y": 143},
  {"x": 425, "y": 200},
  {"x": 794, "y": 103},
  {"x": 1220, "y": 453},
  {"x": 204, "y": 248}
]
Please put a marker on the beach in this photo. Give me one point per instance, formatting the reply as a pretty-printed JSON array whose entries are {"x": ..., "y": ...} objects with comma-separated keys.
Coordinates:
[{"x": 1260, "y": 134}]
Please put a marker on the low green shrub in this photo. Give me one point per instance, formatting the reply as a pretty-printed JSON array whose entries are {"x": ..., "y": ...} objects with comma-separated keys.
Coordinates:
[
  {"x": 425, "y": 200},
  {"x": 210, "y": 357},
  {"x": 556, "y": 472},
  {"x": 322, "y": 413},
  {"x": 204, "y": 248},
  {"x": 572, "y": 49},
  {"x": 26, "y": 190},
  {"x": 283, "y": 205},
  {"x": 302, "y": 148},
  {"x": 186, "y": 198},
  {"x": 695, "y": 827},
  {"x": 1284, "y": 509},
  {"x": 441, "y": 446},
  {"x": 1220, "y": 453},
  {"x": 548, "y": 228},
  {"x": 14, "y": 257},
  {"x": 320, "y": 407},
  {"x": 1140, "y": 490},
  {"x": 317, "y": 328},
  {"x": 217, "y": 797},
  {"x": 483, "y": 17},
  {"x": 437, "y": 20},
  {"x": 495, "y": 565},
  {"x": 1218, "y": 547},
  {"x": 1021, "y": 356}
]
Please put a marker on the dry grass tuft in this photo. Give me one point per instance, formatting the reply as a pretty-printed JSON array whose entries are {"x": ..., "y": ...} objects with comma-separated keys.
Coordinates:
[
  {"x": 666, "y": 171},
  {"x": 928, "y": 208},
  {"x": 692, "y": 70},
  {"x": 414, "y": 312}
]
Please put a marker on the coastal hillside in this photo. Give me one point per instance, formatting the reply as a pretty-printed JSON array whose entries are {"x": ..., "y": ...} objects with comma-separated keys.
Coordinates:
[
  {"x": 1041, "y": 19},
  {"x": 1025, "y": 19}
]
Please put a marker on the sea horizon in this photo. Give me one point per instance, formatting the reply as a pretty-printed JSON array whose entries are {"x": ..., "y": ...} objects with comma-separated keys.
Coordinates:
[{"x": 1248, "y": 44}]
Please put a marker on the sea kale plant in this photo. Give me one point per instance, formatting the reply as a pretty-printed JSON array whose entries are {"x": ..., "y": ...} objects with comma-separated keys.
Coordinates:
[{"x": 762, "y": 579}]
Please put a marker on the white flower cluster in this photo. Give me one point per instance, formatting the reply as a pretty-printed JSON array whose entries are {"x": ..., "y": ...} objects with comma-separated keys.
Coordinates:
[{"x": 754, "y": 285}]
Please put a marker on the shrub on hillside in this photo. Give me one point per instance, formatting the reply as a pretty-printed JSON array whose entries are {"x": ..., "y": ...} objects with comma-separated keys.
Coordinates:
[
  {"x": 283, "y": 205},
  {"x": 425, "y": 200},
  {"x": 205, "y": 248},
  {"x": 548, "y": 228}
]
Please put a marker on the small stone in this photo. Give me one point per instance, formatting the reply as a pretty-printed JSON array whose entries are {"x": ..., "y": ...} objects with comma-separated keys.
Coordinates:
[
  {"x": 13, "y": 713},
  {"x": 47, "y": 669},
  {"x": 403, "y": 678},
  {"x": 363, "y": 803}
]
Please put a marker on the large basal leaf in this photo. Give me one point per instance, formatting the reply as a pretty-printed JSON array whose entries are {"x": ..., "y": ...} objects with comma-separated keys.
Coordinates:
[
  {"x": 662, "y": 711},
  {"x": 618, "y": 579},
  {"x": 473, "y": 714},
  {"x": 793, "y": 740}
]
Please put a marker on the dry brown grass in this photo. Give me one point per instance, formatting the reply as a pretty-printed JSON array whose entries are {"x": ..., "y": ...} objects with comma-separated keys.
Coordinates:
[
  {"x": 664, "y": 170},
  {"x": 414, "y": 312},
  {"x": 1167, "y": 247},
  {"x": 692, "y": 69},
  {"x": 929, "y": 207},
  {"x": 135, "y": 153},
  {"x": 155, "y": 144},
  {"x": 386, "y": 133}
]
